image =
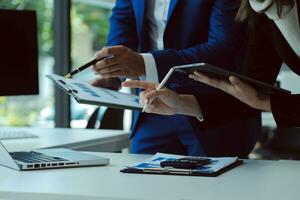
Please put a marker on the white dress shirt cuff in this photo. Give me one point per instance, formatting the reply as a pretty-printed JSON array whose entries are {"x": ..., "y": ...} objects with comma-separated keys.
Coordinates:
[
  {"x": 200, "y": 116},
  {"x": 150, "y": 68}
]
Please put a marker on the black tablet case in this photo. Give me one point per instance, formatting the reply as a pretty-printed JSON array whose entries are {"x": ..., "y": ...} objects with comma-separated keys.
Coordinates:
[{"x": 217, "y": 72}]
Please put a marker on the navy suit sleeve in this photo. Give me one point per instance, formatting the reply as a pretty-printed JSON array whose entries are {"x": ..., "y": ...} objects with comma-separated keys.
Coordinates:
[
  {"x": 123, "y": 25},
  {"x": 225, "y": 38},
  {"x": 220, "y": 108}
]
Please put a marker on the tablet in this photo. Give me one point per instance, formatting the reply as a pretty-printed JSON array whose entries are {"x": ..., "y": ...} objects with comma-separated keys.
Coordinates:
[{"x": 217, "y": 72}]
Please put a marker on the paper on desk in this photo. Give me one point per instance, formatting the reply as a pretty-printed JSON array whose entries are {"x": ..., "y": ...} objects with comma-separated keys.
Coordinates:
[
  {"x": 85, "y": 93},
  {"x": 215, "y": 165}
]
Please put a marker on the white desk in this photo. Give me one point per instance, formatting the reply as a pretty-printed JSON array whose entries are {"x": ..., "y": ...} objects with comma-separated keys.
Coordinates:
[
  {"x": 79, "y": 139},
  {"x": 255, "y": 180}
]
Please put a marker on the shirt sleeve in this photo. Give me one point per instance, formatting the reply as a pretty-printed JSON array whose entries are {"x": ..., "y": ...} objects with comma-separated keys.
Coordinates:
[{"x": 150, "y": 68}]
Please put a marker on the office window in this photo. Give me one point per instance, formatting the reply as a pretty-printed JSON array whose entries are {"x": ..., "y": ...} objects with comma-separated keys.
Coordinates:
[
  {"x": 33, "y": 110},
  {"x": 89, "y": 24}
]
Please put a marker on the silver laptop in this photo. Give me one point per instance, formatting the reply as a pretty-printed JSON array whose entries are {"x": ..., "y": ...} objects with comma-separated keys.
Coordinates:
[{"x": 48, "y": 158}]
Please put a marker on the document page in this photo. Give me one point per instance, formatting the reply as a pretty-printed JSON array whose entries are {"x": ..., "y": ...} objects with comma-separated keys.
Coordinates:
[
  {"x": 215, "y": 165},
  {"x": 85, "y": 93}
]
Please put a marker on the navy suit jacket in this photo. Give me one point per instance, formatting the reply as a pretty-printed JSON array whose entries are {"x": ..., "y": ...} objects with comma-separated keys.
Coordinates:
[{"x": 196, "y": 31}]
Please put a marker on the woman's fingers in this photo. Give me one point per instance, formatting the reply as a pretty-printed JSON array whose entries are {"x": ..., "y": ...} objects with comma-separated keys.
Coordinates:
[
  {"x": 200, "y": 77},
  {"x": 162, "y": 94},
  {"x": 145, "y": 98},
  {"x": 240, "y": 85},
  {"x": 156, "y": 106},
  {"x": 142, "y": 101},
  {"x": 250, "y": 95},
  {"x": 147, "y": 103},
  {"x": 244, "y": 91},
  {"x": 151, "y": 94},
  {"x": 214, "y": 82},
  {"x": 237, "y": 88},
  {"x": 159, "y": 101},
  {"x": 206, "y": 79}
]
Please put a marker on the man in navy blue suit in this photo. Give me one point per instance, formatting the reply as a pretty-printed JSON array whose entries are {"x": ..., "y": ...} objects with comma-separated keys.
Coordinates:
[{"x": 147, "y": 38}]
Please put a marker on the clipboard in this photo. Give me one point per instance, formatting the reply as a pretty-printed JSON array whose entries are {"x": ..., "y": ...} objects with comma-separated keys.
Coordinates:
[
  {"x": 149, "y": 167},
  {"x": 181, "y": 172},
  {"x": 217, "y": 72},
  {"x": 85, "y": 93}
]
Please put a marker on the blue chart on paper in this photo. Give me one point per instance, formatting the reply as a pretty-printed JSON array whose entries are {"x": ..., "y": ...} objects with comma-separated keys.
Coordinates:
[{"x": 86, "y": 89}]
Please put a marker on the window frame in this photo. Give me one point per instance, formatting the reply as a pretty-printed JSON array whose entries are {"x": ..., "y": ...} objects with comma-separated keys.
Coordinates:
[{"x": 62, "y": 57}]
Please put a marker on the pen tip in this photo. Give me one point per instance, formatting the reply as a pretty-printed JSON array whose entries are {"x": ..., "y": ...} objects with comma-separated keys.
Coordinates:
[{"x": 68, "y": 76}]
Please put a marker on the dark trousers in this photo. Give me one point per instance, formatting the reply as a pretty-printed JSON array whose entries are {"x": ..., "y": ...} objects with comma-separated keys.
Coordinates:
[
  {"x": 175, "y": 135},
  {"x": 165, "y": 134}
]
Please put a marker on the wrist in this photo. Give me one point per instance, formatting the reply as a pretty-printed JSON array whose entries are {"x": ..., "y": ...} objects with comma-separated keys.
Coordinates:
[
  {"x": 261, "y": 102},
  {"x": 265, "y": 104},
  {"x": 188, "y": 105}
]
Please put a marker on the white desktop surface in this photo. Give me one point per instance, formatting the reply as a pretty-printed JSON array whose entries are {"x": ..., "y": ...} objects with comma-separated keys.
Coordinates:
[
  {"x": 78, "y": 139},
  {"x": 254, "y": 180}
]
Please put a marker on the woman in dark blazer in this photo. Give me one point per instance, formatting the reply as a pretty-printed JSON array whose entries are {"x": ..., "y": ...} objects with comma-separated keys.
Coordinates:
[{"x": 274, "y": 39}]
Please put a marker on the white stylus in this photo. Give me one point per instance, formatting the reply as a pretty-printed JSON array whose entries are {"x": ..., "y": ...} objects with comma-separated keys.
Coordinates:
[{"x": 162, "y": 84}]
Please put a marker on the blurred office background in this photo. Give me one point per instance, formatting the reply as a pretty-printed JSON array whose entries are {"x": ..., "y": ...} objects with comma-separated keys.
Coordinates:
[
  {"x": 89, "y": 23},
  {"x": 69, "y": 34}
]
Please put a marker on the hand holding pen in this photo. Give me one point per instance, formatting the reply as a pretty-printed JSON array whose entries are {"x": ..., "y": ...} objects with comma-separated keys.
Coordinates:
[
  {"x": 151, "y": 87},
  {"x": 160, "y": 86},
  {"x": 87, "y": 65},
  {"x": 164, "y": 101},
  {"x": 126, "y": 63}
]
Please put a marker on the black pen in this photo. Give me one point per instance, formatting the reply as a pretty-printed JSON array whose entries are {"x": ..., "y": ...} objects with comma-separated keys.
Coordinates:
[{"x": 83, "y": 67}]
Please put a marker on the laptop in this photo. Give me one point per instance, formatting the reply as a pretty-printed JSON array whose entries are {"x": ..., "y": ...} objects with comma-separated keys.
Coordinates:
[
  {"x": 16, "y": 134},
  {"x": 48, "y": 159}
]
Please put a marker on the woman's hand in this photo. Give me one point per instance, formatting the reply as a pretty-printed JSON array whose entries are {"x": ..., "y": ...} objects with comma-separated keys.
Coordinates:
[
  {"x": 237, "y": 88},
  {"x": 164, "y": 101}
]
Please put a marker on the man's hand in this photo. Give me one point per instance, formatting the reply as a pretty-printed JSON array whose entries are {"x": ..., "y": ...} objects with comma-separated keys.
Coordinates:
[
  {"x": 125, "y": 63},
  {"x": 237, "y": 88},
  {"x": 109, "y": 83}
]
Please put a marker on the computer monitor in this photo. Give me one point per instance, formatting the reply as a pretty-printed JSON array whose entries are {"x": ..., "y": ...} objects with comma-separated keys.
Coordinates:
[{"x": 18, "y": 53}]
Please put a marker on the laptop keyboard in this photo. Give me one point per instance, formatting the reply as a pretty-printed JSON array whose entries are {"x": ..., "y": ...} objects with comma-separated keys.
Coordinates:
[
  {"x": 34, "y": 157},
  {"x": 9, "y": 135}
]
